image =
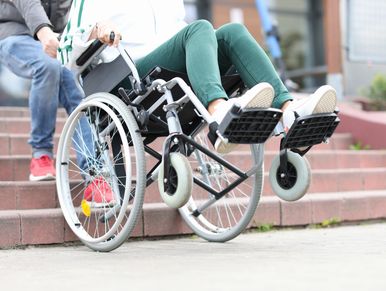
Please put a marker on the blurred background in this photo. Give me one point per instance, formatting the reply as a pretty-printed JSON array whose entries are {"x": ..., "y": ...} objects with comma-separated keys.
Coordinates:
[{"x": 339, "y": 42}]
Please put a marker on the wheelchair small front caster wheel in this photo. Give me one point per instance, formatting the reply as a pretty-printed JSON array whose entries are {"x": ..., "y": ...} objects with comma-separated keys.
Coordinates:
[
  {"x": 181, "y": 179},
  {"x": 292, "y": 184}
]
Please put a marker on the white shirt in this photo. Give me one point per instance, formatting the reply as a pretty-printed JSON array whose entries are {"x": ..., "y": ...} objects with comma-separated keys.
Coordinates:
[{"x": 144, "y": 25}]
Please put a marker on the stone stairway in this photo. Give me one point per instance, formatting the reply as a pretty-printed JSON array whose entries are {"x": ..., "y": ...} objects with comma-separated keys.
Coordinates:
[{"x": 346, "y": 185}]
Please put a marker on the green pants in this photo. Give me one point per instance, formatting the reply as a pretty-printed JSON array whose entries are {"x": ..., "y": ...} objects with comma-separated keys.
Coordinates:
[{"x": 205, "y": 54}]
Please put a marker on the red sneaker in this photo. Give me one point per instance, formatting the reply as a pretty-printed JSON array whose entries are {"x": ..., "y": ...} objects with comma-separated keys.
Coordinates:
[
  {"x": 99, "y": 193},
  {"x": 42, "y": 169}
]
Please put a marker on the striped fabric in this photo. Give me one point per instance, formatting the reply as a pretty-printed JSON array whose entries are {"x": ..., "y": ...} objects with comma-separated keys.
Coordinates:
[
  {"x": 143, "y": 24},
  {"x": 74, "y": 28}
]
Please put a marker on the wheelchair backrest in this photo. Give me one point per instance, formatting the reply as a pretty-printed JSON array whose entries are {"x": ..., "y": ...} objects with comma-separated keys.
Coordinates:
[{"x": 105, "y": 76}]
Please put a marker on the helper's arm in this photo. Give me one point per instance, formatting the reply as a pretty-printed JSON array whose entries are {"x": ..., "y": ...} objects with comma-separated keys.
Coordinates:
[
  {"x": 34, "y": 15},
  {"x": 38, "y": 23}
]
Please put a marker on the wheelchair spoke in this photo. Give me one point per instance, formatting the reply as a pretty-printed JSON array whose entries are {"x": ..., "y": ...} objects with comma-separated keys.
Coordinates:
[
  {"x": 225, "y": 218},
  {"x": 95, "y": 192}
]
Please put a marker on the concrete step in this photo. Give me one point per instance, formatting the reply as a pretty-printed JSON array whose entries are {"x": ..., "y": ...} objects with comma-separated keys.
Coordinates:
[
  {"x": 339, "y": 141},
  {"x": 17, "y": 143},
  {"x": 23, "y": 125},
  {"x": 35, "y": 195},
  {"x": 16, "y": 168},
  {"x": 322, "y": 181},
  {"x": 47, "y": 226},
  {"x": 10, "y": 111},
  {"x": 22, "y": 195},
  {"x": 30, "y": 213}
]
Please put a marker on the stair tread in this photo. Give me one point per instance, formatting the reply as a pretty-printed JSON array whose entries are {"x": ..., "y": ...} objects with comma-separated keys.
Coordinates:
[{"x": 314, "y": 196}]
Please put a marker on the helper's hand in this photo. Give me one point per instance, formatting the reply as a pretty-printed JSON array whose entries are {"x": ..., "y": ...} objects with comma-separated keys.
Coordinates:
[
  {"x": 103, "y": 30},
  {"x": 49, "y": 40}
]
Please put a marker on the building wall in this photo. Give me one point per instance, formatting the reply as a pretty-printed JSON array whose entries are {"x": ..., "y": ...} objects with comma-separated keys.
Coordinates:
[
  {"x": 363, "y": 43},
  {"x": 300, "y": 28},
  {"x": 354, "y": 33},
  {"x": 222, "y": 11}
]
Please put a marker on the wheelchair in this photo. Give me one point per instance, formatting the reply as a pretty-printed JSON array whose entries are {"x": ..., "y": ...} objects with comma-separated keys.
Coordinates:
[{"x": 154, "y": 129}]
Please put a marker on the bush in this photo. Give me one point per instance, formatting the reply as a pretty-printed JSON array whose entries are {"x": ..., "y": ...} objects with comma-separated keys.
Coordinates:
[{"x": 377, "y": 92}]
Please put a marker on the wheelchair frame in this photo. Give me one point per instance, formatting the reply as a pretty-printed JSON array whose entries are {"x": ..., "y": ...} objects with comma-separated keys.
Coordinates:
[{"x": 178, "y": 142}]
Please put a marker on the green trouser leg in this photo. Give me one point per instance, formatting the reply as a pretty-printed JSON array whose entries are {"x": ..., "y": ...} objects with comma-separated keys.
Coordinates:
[
  {"x": 204, "y": 54},
  {"x": 193, "y": 50},
  {"x": 237, "y": 47}
]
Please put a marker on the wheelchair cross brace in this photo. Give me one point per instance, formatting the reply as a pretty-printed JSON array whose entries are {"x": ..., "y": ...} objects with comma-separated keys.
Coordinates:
[{"x": 187, "y": 145}]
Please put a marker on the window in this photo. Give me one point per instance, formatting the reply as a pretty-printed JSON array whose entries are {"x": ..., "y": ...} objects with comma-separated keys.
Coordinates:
[
  {"x": 300, "y": 25},
  {"x": 197, "y": 9},
  {"x": 366, "y": 30}
]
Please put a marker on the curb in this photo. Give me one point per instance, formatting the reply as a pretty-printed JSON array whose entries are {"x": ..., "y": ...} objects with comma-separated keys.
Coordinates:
[{"x": 47, "y": 226}]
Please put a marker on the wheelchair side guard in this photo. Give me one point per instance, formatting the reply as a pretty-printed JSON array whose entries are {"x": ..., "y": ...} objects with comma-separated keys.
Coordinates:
[{"x": 246, "y": 126}]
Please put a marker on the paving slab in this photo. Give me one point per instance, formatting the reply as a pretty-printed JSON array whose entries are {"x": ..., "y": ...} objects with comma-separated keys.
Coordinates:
[{"x": 342, "y": 258}]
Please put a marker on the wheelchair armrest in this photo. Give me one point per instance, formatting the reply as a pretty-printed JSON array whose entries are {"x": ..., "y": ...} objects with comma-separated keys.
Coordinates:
[{"x": 89, "y": 53}]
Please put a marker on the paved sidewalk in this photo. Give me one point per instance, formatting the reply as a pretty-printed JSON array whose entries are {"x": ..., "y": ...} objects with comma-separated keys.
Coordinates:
[{"x": 343, "y": 258}]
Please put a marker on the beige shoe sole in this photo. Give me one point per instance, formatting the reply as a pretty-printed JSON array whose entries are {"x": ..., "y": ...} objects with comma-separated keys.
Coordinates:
[
  {"x": 327, "y": 101},
  {"x": 48, "y": 177},
  {"x": 259, "y": 96},
  {"x": 224, "y": 148}
]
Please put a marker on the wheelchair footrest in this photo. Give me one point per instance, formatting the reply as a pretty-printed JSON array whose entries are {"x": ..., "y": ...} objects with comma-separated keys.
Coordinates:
[
  {"x": 310, "y": 130},
  {"x": 249, "y": 126}
]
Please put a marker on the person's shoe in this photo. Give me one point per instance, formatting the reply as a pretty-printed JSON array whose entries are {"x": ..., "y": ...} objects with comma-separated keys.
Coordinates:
[
  {"x": 99, "y": 193},
  {"x": 259, "y": 96},
  {"x": 42, "y": 169},
  {"x": 322, "y": 101}
]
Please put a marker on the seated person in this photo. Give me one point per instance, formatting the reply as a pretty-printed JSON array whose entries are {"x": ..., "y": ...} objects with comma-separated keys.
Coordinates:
[{"x": 155, "y": 34}]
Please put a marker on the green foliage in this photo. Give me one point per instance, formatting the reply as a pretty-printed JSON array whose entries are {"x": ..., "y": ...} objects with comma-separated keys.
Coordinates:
[
  {"x": 358, "y": 146},
  {"x": 377, "y": 92},
  {"x": 264, "y": 227},
  {"x": 330, "y": 222}
]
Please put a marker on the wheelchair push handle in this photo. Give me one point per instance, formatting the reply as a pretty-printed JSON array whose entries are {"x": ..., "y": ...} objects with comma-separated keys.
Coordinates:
[{"x": 91, "y": 50}]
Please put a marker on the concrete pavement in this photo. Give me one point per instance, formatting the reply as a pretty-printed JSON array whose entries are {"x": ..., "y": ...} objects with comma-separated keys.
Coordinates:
[{"x": 343, "y": 258}]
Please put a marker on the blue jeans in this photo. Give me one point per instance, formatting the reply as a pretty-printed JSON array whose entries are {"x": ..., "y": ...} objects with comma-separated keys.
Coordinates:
[{"x": 51, "y": 84}]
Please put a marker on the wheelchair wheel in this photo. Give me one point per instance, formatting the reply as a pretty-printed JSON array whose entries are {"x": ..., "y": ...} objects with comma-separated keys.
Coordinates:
[
  {"x": 295, "y": 184},
  {"x": 223, "y": 219},
  {"x": 181, "y": 179},
  {"x": 100, "y": 144}
]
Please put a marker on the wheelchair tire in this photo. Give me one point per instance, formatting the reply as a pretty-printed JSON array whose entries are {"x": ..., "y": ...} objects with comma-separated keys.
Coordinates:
[
  {"x": 296, "y": 185},
  {"x": 115, "y": 155},
  {"x": 223, "y": 219},
  {"x": 182, "y": 180}
]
